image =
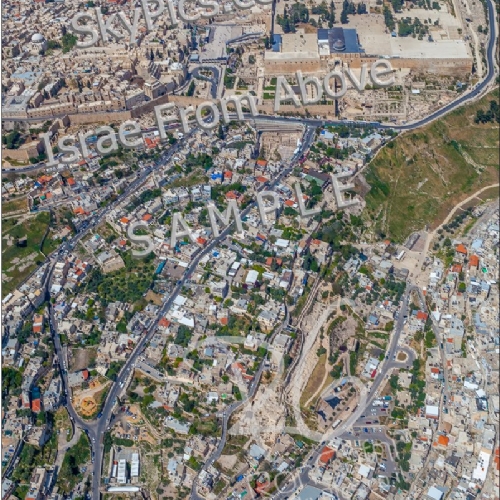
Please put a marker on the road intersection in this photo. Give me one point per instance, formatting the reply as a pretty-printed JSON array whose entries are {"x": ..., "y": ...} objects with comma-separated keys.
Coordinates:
[{"x": 95, "y": 429}]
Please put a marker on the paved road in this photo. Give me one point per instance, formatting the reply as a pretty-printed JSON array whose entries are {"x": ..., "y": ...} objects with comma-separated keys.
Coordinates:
[
  {"x": 307, "y": 140},
  {"x": 366, "y": 401},
  {"x": 95, "y": 429},
  {"x": 126, "y": 370},
  {"x": 478, "y": 89},
  {"x": 440, "y": 341}
]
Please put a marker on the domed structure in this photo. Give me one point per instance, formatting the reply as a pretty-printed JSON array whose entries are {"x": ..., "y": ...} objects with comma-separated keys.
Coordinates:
[
  {"x": 37, "y": 38},
  {"x": 339, "y": 45}
]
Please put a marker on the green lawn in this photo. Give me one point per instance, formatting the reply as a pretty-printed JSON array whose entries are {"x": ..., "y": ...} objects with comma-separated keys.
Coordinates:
[
  {"x": 420, "y": 176},
  {"x": 127, "y": 284},
  {"x": 14, "y": 205},
  {"x": 34, "y": 228}
]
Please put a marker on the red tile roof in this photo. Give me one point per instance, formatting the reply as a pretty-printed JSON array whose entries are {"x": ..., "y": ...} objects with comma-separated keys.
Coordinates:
[
  {"x": 36, "y": 406},
  {"x": 443, "y": 440},
  {"x": 262, "y": 487},
  {"x": 461, "y": 249},
  {"x": 164, "y": 322},
  {"x": 327, "y": 454},
  {"x": 473, "y": 261},
  {"x": 422, "y": 315}
]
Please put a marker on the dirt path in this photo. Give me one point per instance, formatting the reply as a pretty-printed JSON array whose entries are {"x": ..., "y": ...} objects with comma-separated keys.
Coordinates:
[
  {"x": 320, "y": 385},
  {"x": 305, "y": 366},
  {"x": 432, "y": 235},
  {"x": 63, "y": 444}
]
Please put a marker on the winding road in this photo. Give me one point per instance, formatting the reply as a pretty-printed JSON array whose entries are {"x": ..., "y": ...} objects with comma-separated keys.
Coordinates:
[
  {"x": 472, "y": 94},
  {"x": 367, "y": 397},
  {"x": 95, "y": 429}
]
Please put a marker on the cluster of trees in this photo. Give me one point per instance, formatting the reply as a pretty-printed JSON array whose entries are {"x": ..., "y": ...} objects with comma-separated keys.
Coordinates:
[
  {"x": 198, "y": 362},
  {"x": 337, "y": 371},
  {"x": 236, "y": 393},
  {"x": 68, "y": 42},
  {"x": 298, "y": 13},
  {"x": 149, "y": 194},
  {"x": 348, "y": 8},
  {"x": 12, "y": 140},
  {"x": 229, "y": 79},
  {"x": 310, "y": 263},
  {"x": 397, "y": 5},
  {"x": 190, "y": 90},
  {"x": 389, "y": 19},
  {"x": 404, "y": 450},
  {"x": 202, "y": 160},
  {"x": 125, "y": 285},
  {"x": 183, "y": 336},
  {"x": 327, "y": 13},
  {"x": 12, "y": 380},
  {"x": 407, "y": 27},
  {"x": 394, "y": 288},
  {"x": 188, "y": 405},
  {"x": 490, "y": 115},
  {"x": 114, "y": 369},
  {"x": 77, "y": 455}
]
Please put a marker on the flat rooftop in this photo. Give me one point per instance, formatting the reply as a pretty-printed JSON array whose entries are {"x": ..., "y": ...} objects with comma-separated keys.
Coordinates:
[
  {"x": 423, "y": 49},
  {"x": 299, "y": 42},
  {"x": 375, "y": 39}
]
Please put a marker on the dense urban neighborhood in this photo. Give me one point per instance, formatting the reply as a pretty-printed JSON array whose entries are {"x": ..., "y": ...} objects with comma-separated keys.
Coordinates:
[{"x": 300, "y": 304}]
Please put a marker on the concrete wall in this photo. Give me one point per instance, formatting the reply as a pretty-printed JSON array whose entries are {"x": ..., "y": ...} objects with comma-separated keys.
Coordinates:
[
  {"x": 148, "y": 106},
  {"x": 268, "y": 109},
  {"x": 436, "y": 66},
  {"x": 24, "y": 153},
  {"x": 101, "y": 117}
]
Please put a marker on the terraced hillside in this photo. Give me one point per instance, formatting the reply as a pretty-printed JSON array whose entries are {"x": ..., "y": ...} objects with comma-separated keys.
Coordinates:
[{"x": 419, "y": 177}]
